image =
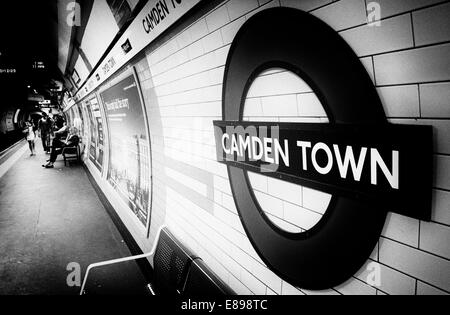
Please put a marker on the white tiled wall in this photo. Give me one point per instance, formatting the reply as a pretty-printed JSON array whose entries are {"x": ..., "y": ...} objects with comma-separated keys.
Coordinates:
[{"x": 408, "y": 60}]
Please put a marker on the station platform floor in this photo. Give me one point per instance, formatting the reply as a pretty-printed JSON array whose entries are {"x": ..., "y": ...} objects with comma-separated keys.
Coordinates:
[{"x": 50, "y": 218}]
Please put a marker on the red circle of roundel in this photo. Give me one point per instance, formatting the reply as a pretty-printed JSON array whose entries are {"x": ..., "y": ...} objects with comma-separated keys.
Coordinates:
[{"x": 339, "y": 245}]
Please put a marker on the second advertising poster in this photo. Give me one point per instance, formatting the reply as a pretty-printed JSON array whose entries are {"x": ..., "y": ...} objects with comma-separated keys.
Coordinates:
[{"x": 129, "y": 167}]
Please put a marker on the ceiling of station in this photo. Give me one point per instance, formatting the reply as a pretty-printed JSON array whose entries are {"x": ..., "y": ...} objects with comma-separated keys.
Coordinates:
[{"x": 28, "y": 50}]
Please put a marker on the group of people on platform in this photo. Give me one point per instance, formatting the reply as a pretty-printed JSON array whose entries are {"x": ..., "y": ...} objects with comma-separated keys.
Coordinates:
[{"x": 55, "y": 135}]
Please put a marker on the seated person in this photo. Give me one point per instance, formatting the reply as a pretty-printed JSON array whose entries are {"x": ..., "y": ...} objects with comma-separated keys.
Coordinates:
[
  {"x": 71, "y": 141},
  {"x": 61, "y": 133}
]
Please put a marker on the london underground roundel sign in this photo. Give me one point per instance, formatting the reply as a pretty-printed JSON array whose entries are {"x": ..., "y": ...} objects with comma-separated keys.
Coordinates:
[{"x": 368, "y": 165}]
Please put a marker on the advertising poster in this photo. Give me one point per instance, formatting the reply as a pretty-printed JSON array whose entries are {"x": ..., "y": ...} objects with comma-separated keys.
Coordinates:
[
  {"x": 86, "y": 123},
  {"x": 77, "y": 121},
  {"x": 3, "y": 123},
  {"x": 97, "y": 136},
  {"x": 69, "y": 117},
  {"x": 129, "y": 168},
  {"x": 80, "y": 116},
  {"x": 91, "y": 127},
  {"x": 9, "y": 121}
]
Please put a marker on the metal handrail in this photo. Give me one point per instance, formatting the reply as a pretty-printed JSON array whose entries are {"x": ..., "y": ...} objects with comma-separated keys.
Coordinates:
[{"x": 121, "y": 260}]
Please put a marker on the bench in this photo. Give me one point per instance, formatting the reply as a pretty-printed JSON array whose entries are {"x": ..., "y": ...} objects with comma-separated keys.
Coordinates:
[
  {"x": 72, "y": 153},
  {"x": 201, "y": 281},
  {"x": 176, "y": 270}
]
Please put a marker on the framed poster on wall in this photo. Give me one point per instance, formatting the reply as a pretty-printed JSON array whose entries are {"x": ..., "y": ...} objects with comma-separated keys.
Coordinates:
[
  {"x": 70, "y": 117},
  {"x": 80, "y": 116},
  {"x": 86, "y": 127},
  {"x": 96, "y": 143},
  {"x": 77, "y": 119},
  {"x": 129, "y": 169},
  {"x": 10, "y": 121}
]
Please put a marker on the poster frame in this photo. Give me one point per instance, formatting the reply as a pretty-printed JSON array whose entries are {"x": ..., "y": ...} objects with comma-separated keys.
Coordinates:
[
  {"x": 129, "y": 71},
  {"x": 100, "y": 105},
  {"x": 147, "y": 128}
]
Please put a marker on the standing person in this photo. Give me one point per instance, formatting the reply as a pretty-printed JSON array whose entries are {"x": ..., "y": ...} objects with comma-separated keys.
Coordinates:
[
  {"x": 45, "y": 128},
  {"x": 58, "y": 145},
  {"x": 30, "y": 135}
]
